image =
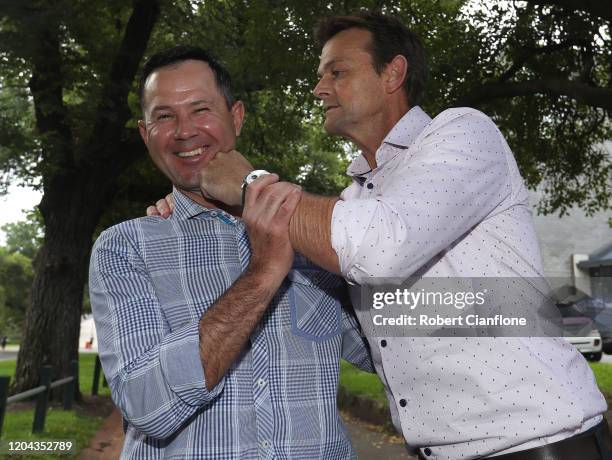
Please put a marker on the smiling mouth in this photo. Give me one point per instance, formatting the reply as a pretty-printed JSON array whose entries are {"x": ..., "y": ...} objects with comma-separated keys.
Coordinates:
[{"x": 192, "y": 153}]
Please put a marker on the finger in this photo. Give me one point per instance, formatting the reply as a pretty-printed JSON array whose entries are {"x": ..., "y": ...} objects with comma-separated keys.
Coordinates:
[
  {"x": 288, "y": 207},
  {"x": 170, "y": 201},
  {"x": 255, "y": 188},
  {"x": 273, "y": 197},
  {"x": 152, "y": 211},
  {"x": 163, "y": 208}
]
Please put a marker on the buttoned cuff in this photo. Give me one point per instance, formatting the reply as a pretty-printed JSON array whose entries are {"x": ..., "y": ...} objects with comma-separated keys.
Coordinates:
[{"x": 182, "y": 369}]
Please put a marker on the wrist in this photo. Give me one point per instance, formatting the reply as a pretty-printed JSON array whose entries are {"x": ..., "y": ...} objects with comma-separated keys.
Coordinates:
[{"x": 248, "y": 178}]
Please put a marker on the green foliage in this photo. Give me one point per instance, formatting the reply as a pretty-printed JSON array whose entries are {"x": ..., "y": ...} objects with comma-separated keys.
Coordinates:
[
  {"x": 25, "y": 237},
  {"x": 556, "y": 138},
  {"x": 268, "y": 49},
  {"x": 16, "y": 277}
]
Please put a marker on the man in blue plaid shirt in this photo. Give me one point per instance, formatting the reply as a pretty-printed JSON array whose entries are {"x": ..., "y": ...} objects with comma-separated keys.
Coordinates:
[{"x": 216, "y": 340}]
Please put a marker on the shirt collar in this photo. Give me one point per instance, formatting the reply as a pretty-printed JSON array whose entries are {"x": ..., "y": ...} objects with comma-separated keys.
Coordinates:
[
  {"x": 401, "y": 137},
  {"x": 185, "y": 207}
]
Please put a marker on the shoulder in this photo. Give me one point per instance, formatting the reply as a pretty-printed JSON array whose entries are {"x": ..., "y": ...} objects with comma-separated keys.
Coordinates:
[
  {"x": 132, "y": 233},
  {"x": 463, "y": 119}
]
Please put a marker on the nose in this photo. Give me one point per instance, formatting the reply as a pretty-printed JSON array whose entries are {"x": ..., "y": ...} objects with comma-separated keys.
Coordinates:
[
  {"x": 321, "y": 90},
  {"x": 185, "y": 127}
]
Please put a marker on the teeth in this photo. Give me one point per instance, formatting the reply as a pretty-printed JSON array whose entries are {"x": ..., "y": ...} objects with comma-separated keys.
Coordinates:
[{"x": 193, "y": 153}]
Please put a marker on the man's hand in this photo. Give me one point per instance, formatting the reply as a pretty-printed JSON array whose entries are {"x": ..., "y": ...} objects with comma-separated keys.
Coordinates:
[
  {"x": 269, "y": 205},
  {"x": 163, "y": 207},
  {"x": 222, "y": 177}
]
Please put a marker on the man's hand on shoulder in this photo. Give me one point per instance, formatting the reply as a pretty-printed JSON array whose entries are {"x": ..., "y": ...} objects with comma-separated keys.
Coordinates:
[{"x": 163, "y": 207}]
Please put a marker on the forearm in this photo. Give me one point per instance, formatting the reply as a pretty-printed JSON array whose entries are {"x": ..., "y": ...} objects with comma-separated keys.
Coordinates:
[
  {"x": 226, "y": 327},
  {"x": 310, "y": 231}
]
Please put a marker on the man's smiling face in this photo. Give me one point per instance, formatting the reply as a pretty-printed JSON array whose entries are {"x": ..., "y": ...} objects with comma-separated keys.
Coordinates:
[{"x": 187, "y": 121}]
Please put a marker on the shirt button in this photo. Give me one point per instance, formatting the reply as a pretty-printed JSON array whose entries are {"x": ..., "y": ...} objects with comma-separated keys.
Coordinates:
[
  {"x": 213, "y": 213},
  {"x": 264, "y": 444},
  {"x": 403, "y": 402},
  {"x": 427, "y": 451},
  {"x": 261, "y": 383},
  {"x": 383, "y": 343},
  {"x": 370, "y": 185}
]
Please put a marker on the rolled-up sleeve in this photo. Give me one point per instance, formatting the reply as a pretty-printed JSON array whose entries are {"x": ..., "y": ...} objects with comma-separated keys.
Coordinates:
[
  {"x": 449, "y": 180},
  {"x": 155, "y": 373}
]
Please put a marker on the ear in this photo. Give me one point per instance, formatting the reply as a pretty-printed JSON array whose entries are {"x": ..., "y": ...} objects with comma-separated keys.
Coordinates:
[
  {"x": 142, "y": 129},
  {"x": 238, "y": 116},
  {"x": 395, "y": 74}
]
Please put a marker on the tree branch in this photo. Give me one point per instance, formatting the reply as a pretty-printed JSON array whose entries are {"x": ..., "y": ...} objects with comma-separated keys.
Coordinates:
[
  {"x": 585, "y": 94},
  {"x": 113, "y": 111},
  {"x": 46, "y": 86},
  {"x": 527, "y": 53},
  {"x": 600, "y": 8}
]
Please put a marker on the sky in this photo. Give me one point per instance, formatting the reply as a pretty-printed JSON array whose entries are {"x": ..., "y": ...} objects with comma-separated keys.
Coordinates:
[{"x": 12, "y": 204}]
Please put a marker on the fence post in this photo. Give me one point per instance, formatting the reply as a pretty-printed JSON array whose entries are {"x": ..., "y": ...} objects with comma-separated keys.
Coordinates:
[
  {"x": 4, "y": 384},
  {"x": 41, "y": 402},
  {"x": 96, "y": 377},
  {"x": 70, "y": 389}
]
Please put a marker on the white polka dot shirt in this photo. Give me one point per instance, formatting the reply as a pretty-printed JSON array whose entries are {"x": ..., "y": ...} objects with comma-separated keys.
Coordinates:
[{"x": 447, "y": 200}]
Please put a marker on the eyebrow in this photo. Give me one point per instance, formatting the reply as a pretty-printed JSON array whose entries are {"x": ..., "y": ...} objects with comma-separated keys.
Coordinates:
[
  {"x": 158, "y": 108},
  {"x": 329, "y": 64}
]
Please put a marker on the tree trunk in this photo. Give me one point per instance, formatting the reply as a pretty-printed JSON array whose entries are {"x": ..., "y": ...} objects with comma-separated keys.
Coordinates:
[{"x": 53, "y": 318}]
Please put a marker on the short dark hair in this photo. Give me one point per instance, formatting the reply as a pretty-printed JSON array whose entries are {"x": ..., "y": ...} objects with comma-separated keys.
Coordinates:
[
  {"x": 389, "y": 38},
  {"x": 181, "y": 53}
]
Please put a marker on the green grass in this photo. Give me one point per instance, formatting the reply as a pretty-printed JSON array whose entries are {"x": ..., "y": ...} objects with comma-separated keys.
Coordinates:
[
  {"x": 361, "y": 383},
  {"x": 603, "y": 376},
  {"x": 59, "y": 424},
  {"x": 86, "y": 370}
]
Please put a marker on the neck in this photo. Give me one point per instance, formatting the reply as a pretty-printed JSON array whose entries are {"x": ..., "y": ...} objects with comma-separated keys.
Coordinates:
[{"x": 369, "y": 138}]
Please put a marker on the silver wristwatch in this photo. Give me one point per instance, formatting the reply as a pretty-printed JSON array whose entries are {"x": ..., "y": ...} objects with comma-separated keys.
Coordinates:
[{"x": 250, "y": 177}]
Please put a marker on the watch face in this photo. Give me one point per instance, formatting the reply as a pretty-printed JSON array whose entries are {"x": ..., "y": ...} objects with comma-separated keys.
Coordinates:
[{"x": 254, "y": 175}]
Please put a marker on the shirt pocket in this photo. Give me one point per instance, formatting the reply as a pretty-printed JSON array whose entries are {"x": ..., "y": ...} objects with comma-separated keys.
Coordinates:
[{"x": 314, "y": 297}]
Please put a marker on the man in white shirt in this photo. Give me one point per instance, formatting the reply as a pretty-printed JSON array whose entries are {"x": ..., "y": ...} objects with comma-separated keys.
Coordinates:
[{"x": 434, "y": 198}]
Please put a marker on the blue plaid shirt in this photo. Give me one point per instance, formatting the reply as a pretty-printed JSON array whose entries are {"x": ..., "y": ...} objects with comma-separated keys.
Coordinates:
[{"x": 150, "y": 282}]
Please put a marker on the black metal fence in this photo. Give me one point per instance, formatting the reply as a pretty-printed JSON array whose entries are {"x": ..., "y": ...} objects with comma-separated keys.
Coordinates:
[{"x": 42, "y": 392}]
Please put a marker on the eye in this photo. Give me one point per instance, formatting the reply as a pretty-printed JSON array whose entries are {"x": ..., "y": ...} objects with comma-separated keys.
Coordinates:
[
  {"x": 336, "y": 73},
  {"x": 202, "y": 110},
  {"x": 164, "y": 116}
]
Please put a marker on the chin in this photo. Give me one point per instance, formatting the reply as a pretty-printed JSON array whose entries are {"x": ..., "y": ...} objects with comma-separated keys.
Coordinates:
[{"x": 330, "y": 127}]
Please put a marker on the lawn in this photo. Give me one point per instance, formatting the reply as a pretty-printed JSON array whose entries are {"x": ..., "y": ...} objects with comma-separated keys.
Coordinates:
[
  {"x": 603, "y": 376},
  {"x": 59, "y": 424},
  {"x": 361, "y": 383}
]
